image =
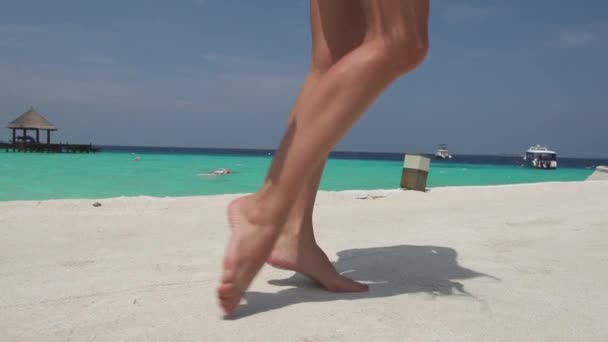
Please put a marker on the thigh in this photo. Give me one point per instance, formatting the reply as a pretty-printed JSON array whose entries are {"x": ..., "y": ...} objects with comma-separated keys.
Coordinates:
[
  {"x": 396, "y": 19},
  {"x": 338, "y": 26}
]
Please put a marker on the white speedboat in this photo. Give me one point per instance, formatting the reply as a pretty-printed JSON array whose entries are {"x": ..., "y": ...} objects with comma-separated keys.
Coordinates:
[
  {"x": 541, "y": 157},
  {"x": 442, "y": 152}
]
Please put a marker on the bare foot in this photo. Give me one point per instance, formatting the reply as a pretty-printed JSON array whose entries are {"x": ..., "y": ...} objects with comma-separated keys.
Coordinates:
[
  {"x": 304, "y": 256},
  {"x": 249, "y": 246}
]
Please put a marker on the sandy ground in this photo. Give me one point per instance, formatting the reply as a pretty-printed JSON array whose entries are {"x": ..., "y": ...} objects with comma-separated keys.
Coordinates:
[
  {"x": 512, "y": 263},
  {"x": 599, "y": 174}
]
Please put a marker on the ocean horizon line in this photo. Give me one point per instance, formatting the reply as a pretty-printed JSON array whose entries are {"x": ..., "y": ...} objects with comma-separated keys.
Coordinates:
[{"x": 335, "y": 153}]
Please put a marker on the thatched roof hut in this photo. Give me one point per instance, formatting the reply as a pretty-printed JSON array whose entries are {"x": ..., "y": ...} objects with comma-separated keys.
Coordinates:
[{"x": 32, "y": 120}]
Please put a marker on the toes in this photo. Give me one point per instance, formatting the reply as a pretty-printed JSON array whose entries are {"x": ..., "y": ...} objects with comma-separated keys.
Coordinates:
[
  {"x": 229, "y": 297},
  {"x": 361, "y": 287},
  {"x": 226, "y": 290},
  {"x": 229, "y": 305},
  {"x": 343, "y": 284}
]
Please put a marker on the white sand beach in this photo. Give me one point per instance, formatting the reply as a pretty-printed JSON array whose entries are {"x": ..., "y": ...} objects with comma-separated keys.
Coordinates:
[
  {"x": 502, "y": 263},
  {"x": 600, "y": 173}
]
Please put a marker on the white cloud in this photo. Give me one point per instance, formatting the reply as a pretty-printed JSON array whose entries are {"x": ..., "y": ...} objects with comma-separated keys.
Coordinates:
[
  {"x": 65, "y": 65},
  {"x": 64, "y": 43},
  {"x": 202, "y": 92},
  {"x": 36, "y": 38},
  {"x": 224, "y": 59},
  {"x": 578, "y": 37},
  {"x": 245, "y": 63},
  {"x": 465, "y": 12}
]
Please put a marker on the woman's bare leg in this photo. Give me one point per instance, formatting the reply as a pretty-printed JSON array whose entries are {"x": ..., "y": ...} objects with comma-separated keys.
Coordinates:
[
  {"x": 297, "y": 249},
  {"x": 394, "y": 44}
]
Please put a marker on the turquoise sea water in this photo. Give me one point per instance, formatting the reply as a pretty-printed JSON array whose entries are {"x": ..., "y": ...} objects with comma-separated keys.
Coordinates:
[{"x": 33, "y": 176}]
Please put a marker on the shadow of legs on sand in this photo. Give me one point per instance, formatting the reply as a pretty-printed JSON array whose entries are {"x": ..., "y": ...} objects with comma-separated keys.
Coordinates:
[{"x": 390, "y": 271}]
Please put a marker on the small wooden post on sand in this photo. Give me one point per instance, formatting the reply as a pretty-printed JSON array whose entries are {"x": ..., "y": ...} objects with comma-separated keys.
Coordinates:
[{"x": 415, "y": 172}]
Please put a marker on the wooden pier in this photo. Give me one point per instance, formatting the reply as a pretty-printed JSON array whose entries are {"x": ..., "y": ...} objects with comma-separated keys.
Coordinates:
[
  {"x": 48, "y": 148},
  {"x": 34, "y": 121}
]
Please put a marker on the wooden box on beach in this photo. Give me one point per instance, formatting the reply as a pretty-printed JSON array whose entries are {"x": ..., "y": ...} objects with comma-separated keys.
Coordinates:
[{"x": 415, "y": 172}]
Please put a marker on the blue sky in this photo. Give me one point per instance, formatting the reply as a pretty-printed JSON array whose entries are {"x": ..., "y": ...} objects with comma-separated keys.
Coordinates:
[{"x": 500, "y": 76}]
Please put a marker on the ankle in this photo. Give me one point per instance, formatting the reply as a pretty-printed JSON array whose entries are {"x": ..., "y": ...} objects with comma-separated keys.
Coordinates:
[
  {"x": 261, "y": 213},
  {"x": 299, "y": 229}
]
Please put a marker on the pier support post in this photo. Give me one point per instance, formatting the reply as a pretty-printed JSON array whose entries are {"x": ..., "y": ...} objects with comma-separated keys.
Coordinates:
[{"x": 415, "y": 172}]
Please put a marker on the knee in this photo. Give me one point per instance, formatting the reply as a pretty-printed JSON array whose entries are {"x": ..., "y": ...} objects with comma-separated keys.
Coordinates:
[
  {"x": 324, "y": 58},
  {"x": 403, "y": 52},
  {"x": 321, "y": 62}
]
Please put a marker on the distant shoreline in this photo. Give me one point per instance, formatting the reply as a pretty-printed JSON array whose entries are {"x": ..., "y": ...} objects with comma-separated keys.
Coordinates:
[{"x": 355, "y": 193}]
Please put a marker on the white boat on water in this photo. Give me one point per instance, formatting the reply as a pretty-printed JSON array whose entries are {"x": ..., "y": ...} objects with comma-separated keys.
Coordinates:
[
  {"x": 541, "y": 157},
  {"x": 442, "y": 152}
]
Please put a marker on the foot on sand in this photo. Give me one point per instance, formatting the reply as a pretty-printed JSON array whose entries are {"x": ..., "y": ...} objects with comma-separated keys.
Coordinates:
[
  {"x": 304, "y": 256},
  {"x": 250, "y": 245}
]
